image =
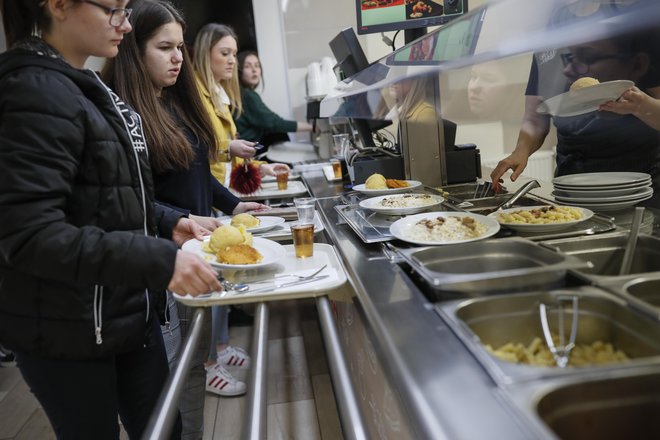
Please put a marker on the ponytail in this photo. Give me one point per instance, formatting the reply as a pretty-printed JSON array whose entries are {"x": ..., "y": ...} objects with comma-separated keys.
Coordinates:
[{"x": 22, "y": 17}]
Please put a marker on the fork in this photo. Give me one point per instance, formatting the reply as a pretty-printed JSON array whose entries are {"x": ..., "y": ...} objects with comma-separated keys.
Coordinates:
[{"x": 301, "y": 277}]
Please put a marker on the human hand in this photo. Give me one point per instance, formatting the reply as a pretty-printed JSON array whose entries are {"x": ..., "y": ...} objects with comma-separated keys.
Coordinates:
[
  {"x": 249, "y": 206},
  {"x": 632, "y": 101},
  {"x": 242, "y": 148},
  {"x": 187, "y": 229},
  {"x": 209, "y": 223},
  {"x": 515, "y": 161},
  {"x": 304, "y": 126},
  {"x": 269, "y": 169},
  {"x": 192, "y": 275}
]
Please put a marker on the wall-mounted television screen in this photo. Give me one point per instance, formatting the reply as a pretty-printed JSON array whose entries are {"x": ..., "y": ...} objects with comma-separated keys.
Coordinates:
[
  {"x": 394, "y": 15},
  {"x": 450, "y": 42}
]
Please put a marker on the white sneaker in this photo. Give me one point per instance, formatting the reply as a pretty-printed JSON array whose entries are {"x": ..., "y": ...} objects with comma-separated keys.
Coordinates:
[
  {"x": 220, "y": 381},
  {"x": 234, "y": 357}
]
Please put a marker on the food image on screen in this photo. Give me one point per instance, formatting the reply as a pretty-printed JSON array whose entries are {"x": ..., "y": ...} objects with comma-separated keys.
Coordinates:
[
  {"x": 423, "y": 8},
  {"x": 370, "y": 4}
]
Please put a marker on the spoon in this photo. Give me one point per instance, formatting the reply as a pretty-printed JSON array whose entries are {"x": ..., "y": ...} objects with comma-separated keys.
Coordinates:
[{"x": 236, "y": 287}]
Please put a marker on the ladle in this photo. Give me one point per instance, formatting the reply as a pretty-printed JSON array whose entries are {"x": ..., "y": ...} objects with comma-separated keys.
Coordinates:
[{"x": 629, "y": 253}]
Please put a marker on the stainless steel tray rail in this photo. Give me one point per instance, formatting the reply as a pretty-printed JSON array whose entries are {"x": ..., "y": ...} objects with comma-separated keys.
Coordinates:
[{"x": 165, "y": 411}]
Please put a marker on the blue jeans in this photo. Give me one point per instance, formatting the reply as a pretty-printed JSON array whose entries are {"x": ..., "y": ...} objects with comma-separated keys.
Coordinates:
[
  {"x": 82, "y": 398},
  {"x": 219, "y": 329}
]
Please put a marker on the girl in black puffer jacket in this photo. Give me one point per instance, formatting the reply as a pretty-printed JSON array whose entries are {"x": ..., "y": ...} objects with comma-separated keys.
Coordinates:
[{"x": 78, "y": 246}]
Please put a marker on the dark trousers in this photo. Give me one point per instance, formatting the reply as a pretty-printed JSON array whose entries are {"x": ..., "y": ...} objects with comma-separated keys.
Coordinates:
[{"x": 82, "y": 398}]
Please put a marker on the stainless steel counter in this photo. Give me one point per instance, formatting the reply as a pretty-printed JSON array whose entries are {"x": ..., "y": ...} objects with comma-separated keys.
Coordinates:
[{"x": 443, "y": 389}]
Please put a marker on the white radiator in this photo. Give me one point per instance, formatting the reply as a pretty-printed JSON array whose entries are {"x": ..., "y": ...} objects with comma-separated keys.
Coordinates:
[{"x": 541, "y": 165}]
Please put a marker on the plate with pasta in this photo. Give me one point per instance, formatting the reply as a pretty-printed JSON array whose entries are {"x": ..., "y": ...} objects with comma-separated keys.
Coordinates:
[{"x": 543, "y": 218}]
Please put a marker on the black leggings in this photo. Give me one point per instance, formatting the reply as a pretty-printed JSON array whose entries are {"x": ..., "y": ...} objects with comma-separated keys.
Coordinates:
[{"x": 82, "y": 398}]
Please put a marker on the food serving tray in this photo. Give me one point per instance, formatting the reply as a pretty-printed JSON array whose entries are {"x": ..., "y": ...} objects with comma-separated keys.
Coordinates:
[
  {"x": 370, "y": 226},
  {"x": 269, "y": 190},
  {"x": 332, "y": 277},
  {"x": 482, "y": 268},
  {"x": 498, "y": 320}
]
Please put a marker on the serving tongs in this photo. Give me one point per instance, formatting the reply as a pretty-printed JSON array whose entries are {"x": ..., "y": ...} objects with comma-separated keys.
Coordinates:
[
  {"x": 509, "y": 202},
  {"x": 561, "y": 351},
  {"x": 629, "y": 252}
]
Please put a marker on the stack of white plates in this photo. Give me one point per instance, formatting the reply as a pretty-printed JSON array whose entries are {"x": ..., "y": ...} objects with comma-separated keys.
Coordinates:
[{"x": 603, "y": 191}]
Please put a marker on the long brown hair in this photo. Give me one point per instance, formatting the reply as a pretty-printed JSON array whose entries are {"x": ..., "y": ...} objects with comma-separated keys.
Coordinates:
[
  {"x": 206, "y": 38},
  {"x": 241, "y": 57},
  {"x": 21, "y": 18},
  {"x": 128, "y": 76}
]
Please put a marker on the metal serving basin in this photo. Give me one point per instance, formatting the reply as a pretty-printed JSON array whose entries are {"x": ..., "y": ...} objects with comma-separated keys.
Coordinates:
[
  {"x": 515, "y": 318},
  {"x": 640, "y": 291},
  {"x": 489, "y": 267},
  {"x": 617, "y": 405},
  {"x": 605, "y": 252}
]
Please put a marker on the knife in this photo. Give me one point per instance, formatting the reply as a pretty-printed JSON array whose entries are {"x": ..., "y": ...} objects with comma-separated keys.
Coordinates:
[{"x": 277, "y": 286}]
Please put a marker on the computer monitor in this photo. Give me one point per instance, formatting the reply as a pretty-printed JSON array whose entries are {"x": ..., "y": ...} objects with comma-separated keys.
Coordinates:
[
  {"x": 348, "y": 53},
  {"x": 456, "y": 40},
  {"x": 352, "y": 62},
  {"x": 394, "y": 15}
]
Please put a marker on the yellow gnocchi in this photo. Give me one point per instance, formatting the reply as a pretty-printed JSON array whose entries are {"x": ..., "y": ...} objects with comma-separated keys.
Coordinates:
[{"x": 541, "y": 215}]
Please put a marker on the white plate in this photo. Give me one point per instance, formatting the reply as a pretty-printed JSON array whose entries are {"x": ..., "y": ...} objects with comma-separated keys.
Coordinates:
[
  {"x": 271, "y": 251},
  {"x": 400, "y": 228},
  {"x": 600, "y": 193},
  {"x": 412, "y": 184},
  {"x": 544, "y": 227},
  {"x": 586, "y": 100},
  {"x": 600, "y": 180},
  {"x": 639, "y": 194},
  {"x": 375, "y": 204},
  {"x": 265, "y": 223},
  {"x": 612, "y": 206}
]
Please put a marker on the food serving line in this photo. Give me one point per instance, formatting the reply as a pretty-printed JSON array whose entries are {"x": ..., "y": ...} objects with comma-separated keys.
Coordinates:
[
  {"x": 445, "y": 385},
  {"x": 437, "y": 381}
]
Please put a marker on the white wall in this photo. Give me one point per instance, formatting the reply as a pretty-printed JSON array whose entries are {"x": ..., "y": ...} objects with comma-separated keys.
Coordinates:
[{"x": 293, "y": 33}]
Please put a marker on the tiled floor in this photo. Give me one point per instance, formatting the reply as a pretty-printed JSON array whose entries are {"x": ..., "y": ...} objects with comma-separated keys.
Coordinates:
[{"x": 300, "y": 400}]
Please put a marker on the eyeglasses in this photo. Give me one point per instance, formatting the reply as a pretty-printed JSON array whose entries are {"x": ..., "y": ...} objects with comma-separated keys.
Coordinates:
[
  {"x": 581, "y": 65},
  {"x": 117, "y": 15}
]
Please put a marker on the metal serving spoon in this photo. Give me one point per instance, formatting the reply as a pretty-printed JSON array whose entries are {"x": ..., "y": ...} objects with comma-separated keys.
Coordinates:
[{"x": 236, "y": 287}]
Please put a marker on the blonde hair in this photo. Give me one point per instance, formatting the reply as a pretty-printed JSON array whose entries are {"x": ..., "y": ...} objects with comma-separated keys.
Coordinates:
[{"x": 205, "y": 40}]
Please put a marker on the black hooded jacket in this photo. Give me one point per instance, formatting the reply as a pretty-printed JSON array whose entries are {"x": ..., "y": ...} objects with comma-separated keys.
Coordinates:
[{"x": 77, "y": 220}]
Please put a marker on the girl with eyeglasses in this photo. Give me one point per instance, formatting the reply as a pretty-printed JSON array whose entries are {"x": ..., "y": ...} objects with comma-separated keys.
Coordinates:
[{"x": 81, "y": 267}]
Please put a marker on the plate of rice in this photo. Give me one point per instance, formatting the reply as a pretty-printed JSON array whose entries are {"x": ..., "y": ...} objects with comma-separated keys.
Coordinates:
[
  {"x": 439, "y": 228},
  {"x": 400, "y": 204},
  {"x": 544, "y": 218}
]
